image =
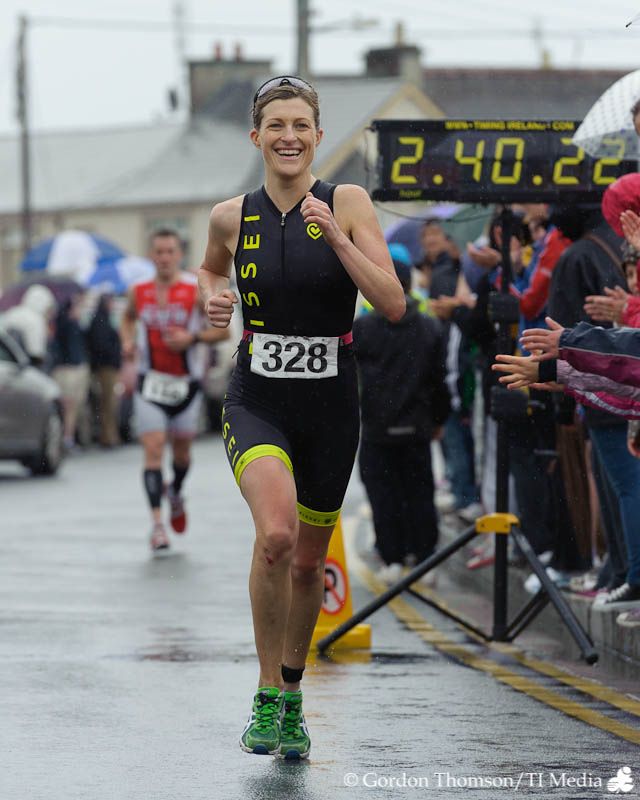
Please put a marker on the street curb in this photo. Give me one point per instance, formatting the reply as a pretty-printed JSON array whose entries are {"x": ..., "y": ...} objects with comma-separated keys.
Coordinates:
[{"x": 618, "y": 647}]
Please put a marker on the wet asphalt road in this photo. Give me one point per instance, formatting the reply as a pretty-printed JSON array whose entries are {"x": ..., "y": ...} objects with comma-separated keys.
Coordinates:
[{"x": 126, "y": 677}]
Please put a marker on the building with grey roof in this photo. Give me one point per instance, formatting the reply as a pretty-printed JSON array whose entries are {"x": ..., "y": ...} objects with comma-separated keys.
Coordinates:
[{"x": 124, "y": 182}]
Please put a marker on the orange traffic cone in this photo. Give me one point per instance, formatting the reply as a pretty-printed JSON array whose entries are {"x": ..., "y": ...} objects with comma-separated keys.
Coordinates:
[{"x": 336, "y": 606}]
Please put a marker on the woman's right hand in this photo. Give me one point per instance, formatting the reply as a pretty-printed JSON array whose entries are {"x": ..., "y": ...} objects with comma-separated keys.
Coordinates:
[{"x": 219, "y": 308}]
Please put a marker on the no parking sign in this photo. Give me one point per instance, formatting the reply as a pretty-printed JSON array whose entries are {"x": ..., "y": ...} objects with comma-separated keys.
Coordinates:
[
  {"x": 336, "y": 602},
  {"x": 335, "y": 587}
]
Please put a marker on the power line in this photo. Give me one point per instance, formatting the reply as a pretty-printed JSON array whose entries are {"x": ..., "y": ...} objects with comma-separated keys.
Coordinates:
[
  {"x": 483, "y": 8},
  {"x": 156, "y": 26},
  {"x": 512, "y": 33},
  {"x": 151, "y": 26}
]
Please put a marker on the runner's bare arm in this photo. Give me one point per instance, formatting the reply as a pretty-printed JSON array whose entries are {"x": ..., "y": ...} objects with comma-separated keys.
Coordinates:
[
  {"x": 128, "y": 327},
  {"x": 213, "y": 276},
  {"x": 355, "y": 235}
]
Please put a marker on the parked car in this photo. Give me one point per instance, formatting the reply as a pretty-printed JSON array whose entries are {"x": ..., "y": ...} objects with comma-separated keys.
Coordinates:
[{"x": 30, "y": 411}]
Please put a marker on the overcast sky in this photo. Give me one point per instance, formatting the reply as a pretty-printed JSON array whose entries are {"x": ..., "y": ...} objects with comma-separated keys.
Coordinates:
[{"x": 107, "y": 75}]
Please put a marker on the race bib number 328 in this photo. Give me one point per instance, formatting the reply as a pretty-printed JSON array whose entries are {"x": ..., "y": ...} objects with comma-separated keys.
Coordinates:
[{"x": 276, "y": 356}]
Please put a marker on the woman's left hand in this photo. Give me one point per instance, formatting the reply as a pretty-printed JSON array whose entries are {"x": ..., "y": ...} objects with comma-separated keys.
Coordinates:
[{"x": 320, "y": 220}]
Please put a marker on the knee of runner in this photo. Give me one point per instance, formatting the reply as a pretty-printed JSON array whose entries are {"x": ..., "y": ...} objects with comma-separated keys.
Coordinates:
[
  {"x": 278, "y": 544},
  {"x": 307, "y": 570}
]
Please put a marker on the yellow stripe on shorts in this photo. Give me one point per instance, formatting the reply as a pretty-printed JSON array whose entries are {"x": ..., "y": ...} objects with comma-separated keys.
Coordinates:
[
  {"x": 259, "y": 451},
  {"x": 323, "y": 519}
]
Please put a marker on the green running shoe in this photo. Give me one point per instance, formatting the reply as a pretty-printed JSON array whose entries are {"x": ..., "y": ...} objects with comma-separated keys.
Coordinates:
[
  {"x": 294, "y": 736},
  {"x": 262, "y": 732}
]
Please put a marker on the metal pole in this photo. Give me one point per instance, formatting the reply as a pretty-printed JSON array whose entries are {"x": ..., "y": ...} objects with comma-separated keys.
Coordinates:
[
  {"x": 562, "y": 607},
  {"x": 23, "y": 119},
  {"x": 180, "y": 32},
  {"x": 415, "y": 574},
  {"x": 302, "y": 61},
  {"x": 500, "y": 579}
]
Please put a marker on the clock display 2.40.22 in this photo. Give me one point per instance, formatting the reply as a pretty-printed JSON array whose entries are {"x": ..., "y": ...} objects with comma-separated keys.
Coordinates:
[
  {"x": 477, "y": 162},
  {"x": 504, "y": 161}
]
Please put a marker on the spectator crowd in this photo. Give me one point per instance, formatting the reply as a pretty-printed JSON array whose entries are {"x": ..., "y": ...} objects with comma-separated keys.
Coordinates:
[{"x": 573, "y": 451}]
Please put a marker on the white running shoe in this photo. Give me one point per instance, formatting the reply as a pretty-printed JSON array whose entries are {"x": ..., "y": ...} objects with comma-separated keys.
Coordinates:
[
  {"x": 532, "y": 583},
  {"x": 391, "y": 573}
]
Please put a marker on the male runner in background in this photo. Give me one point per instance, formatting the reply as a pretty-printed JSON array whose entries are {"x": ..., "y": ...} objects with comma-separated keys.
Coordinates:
[{"x": 163, "y": 327}]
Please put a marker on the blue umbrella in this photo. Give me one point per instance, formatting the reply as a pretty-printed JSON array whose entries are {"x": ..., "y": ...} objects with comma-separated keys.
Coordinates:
[{"x": 76, "y": 254}]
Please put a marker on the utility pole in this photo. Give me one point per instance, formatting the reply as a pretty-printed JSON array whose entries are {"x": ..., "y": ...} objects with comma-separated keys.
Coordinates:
[
  {"x": 537, "y": 34},
  {"x": 23, "y": 119},
  {"x": 302, "y": 61},
  {"x": 180, "y": 29}
]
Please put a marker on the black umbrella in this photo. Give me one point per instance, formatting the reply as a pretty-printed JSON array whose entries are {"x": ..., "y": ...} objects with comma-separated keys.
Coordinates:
[{"x": 61, "y": 288}]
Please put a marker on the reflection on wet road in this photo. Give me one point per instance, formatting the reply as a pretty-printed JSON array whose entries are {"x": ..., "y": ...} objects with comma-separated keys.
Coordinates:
[{"x": 125, "y": 677}]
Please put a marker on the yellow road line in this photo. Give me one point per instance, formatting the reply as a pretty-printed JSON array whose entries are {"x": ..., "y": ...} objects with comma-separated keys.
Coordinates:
[
  {"x": 584, "y": 685},
  {"x": 617, "y": 699},
  {"x": 413, "y": 620}
]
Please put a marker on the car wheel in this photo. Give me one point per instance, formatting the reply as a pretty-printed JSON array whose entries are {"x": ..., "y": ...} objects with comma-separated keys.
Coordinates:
[{"x": 47, "y": 460}]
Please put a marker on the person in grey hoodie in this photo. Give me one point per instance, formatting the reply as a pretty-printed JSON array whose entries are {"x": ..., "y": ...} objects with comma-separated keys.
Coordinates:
[{"x": 29, "y": 322}]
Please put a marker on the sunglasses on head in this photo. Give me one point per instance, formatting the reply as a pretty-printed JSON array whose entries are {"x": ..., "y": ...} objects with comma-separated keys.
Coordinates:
[{"x": 282, "y": 80}]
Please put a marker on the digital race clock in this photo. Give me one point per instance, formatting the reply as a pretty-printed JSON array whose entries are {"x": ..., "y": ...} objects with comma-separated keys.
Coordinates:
[{"x": 491, "y": 161}]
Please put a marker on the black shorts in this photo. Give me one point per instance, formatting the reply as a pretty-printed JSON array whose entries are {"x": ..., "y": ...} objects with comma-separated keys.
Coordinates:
[{"x": 310, "y": 425}]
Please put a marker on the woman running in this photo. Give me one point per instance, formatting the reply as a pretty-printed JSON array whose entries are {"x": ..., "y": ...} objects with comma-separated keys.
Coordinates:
[{"x": 302, "y": 249}]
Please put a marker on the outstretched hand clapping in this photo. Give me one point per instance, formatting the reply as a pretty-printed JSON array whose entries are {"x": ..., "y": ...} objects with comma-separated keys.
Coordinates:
[{"x": 544, "y": 343}]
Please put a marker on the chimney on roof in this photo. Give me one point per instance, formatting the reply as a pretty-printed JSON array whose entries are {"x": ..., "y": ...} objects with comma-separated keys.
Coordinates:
[
  {"x": 398, "y": 61},
  {"x": 213, "y": 78}
]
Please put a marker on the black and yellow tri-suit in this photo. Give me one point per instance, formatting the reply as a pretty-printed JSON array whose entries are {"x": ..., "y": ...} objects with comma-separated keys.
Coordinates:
[{"x": 292, "y": 284}]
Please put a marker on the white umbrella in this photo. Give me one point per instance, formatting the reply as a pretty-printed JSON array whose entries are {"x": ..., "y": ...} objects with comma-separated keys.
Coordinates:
[{"x": 607, "y": 130}]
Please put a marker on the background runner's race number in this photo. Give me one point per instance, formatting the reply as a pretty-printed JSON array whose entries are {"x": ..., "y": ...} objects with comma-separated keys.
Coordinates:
[
  {"x": 168, "y": 390},
  {"x": 276, "y": 356}
]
